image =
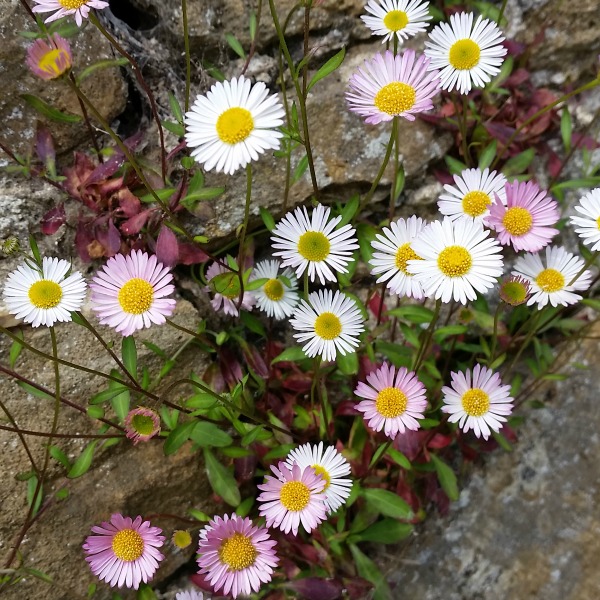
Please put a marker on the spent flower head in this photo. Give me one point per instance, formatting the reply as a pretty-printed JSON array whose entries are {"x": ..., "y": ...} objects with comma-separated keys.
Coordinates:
[
  {"x": 142, "y": 424},
  {"x": 515, "y": 290},
  {"x": 49, "y": 58}
]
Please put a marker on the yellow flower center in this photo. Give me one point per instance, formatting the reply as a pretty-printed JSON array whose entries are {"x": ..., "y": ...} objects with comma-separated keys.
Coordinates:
[
  {"x": 319, "y": 470},
  {"x": 294, "y": 495},
  {"x": 142, "y": 424},
  {"x": 475, "y": 402},
  {"x": 517, "y": 220},
  {"x": 395, "y": 98},
  {"x": 136, "y": 296},
  {"x": 49, "y": 62},
  {"x": 454, "y": 261},
  {"x": 234, "y": 125},
  {"x": 314, "y": 245},
  {"x": 238, "y": 552},
  {"x": 72, "y": 4},
  {"x": 396, "y": 20},
  {"x": 475, "y": 203},
  {"x": 45, "y": 294},
  {"x": 182, "y": 538},
  {"x": 403, "y": 255},
  {"x": 550, "y": 280},
  {"x": 128, "y": 545},
  {"x": 274, "y": 290},
  {"x": 598, "y": 222},
  {"x": 391, "y": 402},
  {"x": 328, "y": 326},
  {"x": 464, "y": 54}
]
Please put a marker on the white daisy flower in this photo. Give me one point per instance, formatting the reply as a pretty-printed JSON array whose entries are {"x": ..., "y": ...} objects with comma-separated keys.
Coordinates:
[
  {"x": 466, "y": 54},
  {"x": 554, "y": 283},
  {"x": 477, "y": 400},
  {"x": 459, "y": 259},
  {"x": 233, "y": 124},
  {"x": 473, "y": 194},
  {"x": 400, "y": 18},
  {"x": 396, "y": 251},
  {"x": 79, "y": 8},
  {"x": 330, "y": 465},
  {"x": 314, "y": 243},
  {"x": 275, "y": 297},
  {"x": 589, "y": 224},
  {"x": 329, "y": 324},
  {"x": 44, "y": 297}
]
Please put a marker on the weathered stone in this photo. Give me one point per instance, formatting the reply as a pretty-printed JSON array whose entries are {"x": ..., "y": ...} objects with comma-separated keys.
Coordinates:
[{"x": 526, "y": 524}]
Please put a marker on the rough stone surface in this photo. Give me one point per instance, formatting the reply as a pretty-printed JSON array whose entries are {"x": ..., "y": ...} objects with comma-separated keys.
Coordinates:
[
  {"x": 105, "y": 88},
  {"x": 526, "y": 524}
]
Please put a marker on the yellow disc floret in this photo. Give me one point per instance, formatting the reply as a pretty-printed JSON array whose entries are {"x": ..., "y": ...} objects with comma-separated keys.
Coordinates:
[
  {"x": 319, "y": 470},
  {"x": 238, "y": 552},
  {"x": 598, "y": 222},
  {"x": 136, "y": 296},
  {"x": 234, "y": 125},
  {"x": 55, "y": 62},
  {"x": 391, "y": 402},
  {"x": 328, "y": 326},
  {"x": 45, "y": 294},
  {"x": 294, "y": 495},
  {"x": 517, "y": 220},
  {"x": 403, "y": 255},
  {"x": 454, "y": 261},
  {"x": 128, "y": 545},
  {"x": 550, "y": 280},
  {"x": 274, "y": 290},
  {"x": 314, "y": 246},
  {"x": 182, "y": 538},
  {"x": 475, "y": 402},
  {"x": 72, "y": 4},
  {"x": 395, "y": 20},
  {"x": 475, "y": 203},
  {"x": 464, "y": 54},
  {"x": 395, "y": 98}
]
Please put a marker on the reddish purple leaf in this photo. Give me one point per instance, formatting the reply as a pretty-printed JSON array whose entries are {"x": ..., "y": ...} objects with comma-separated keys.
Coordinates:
[
  {"x": 109, "y": 238},
  {"x": 357, "y": 588},
  {"x": 128, "y": 202},
  {"x": 53, "y": 219},
  {"x": 83, "y": 238},
  {"x": 44, "y": 147},
  {"x": 167, "y": 249},
  {"x": 245, "y": 467},
  {"x": 134, "y": 225},
  {"x": 190, "y": 254},
  {"x": 315, "y": 588},
  {"x": 584, "y": 141}
]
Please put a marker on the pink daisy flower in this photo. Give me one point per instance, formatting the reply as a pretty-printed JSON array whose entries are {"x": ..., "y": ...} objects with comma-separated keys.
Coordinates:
[
  {"x": 141, "y": 424},
  {"x": 293, "y": 496},
  {"x": 394, "y": 400},
  {"x": 526, "y": 219},
  {"x": 477, "y": 400},
  {"x": 389, "y": 86},
  {"x": 236, "y": 556},
  {"x": 129, "y": 292},
  {"x": 124, "y": 552},
  {"x": 49, "y": 58},
  {"x": 228, "y": 301},
  {"x": 79, "y": 8}
]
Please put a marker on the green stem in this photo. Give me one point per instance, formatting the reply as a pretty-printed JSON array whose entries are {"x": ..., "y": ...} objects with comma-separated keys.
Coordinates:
[
  {"x": 20, "y": 434},
  {"x": 425, "y": 345},
  {"x": 88, "y": 124},
  {"x": 501, "y": 13},
  {"x": 532, "y": 330},
  {"x": 188, "y": 59},
  {"x": 243, "y": 234},
  {"x": 495, "y": 333}
]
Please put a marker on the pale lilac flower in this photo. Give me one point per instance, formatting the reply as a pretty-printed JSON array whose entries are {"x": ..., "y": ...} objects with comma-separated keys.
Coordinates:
[
  {"x": 526, "y": 219},
  {"x": 79, "y": 8},
  {"x": 554, "y": 283},
  {"x": 389, "y": 86},
  {"x": 141, "y": 424},
  {"x": 49, "y": 58},
  {"x": 124, "y": 552},
  {"x": 477, "y": 400},
  {"x": 394, "y": 400},
  {"x": 396, "y": 18},
  {"x": 589, "y": 224},
  {"x": 292, "y": 497},
  {"x": 189, "y": 595},
  {"x": 128, "y": 293},
  {"x": 228, "y": 301},
  {"x": 235, "y": 555},
  {"x": 330, "y": 465}
]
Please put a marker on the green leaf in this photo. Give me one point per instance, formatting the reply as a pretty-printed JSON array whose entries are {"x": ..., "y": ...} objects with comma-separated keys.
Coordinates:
[
  {"x": 221, "y": 479},
  {"x": 244, "y": 508},
  {"x": 227, "y": 284},
  {"x": 178, "y": 437},
  {"x": 300, "y": 169},
  {"x": 101, "y": 64},
  {"x": 207, "y": 193},
  {"x": 387, "y": 531},
  {"x": 108, "y": 394},
  {"x": 329, "y": 67},
  {"x": 145, "y": 593},
  {"x": 454, "y": 166},
  {"x": 175, "y": 128},
  {"x": 15, "y": 348},
  {"x": 83, "y": 462},
  {"x": 566, "y": 128},
  {"x": 368, "y": 570},
  {"x": 95, "y": 412},
  {"x": 175, "y": 108},
  {"x": 35, "y": 250},
  {"x": 449, "y": 330},
  {"x": 58, "y": 455},
  {"x": 412, "y": 313},
  {"x": 488, "y": 155},
  {"x": 293, "y": 354},
  {"x": 208, "y": 434},
  {"x": 164, "y": 194},
  {"x": 48, "y": 111},
  {"x": 129, "y": 354},
  {"x": 235, "y": 45},
  {"x": 348, "y": 363},
  {"x": 38, "y": 574},
  {"x": 252, "y": 323},
  {"x": 446, "y": 476},
  {"x": 252, "y": 25},
  {"x": 502, "y": 441},
  {"x": 388, "y": 503},
  {"x": 519, "y": 163},
  {"x": 34, "y": 391},
  {"x": 120, "y": 401},
  {"x": 198, "y": 514},
  {"x": 267, "y": 218},
  {"x": 399, "y": 458},
  {"x": 31, "y": 487},
  {"x": 349, "y": 210}
]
